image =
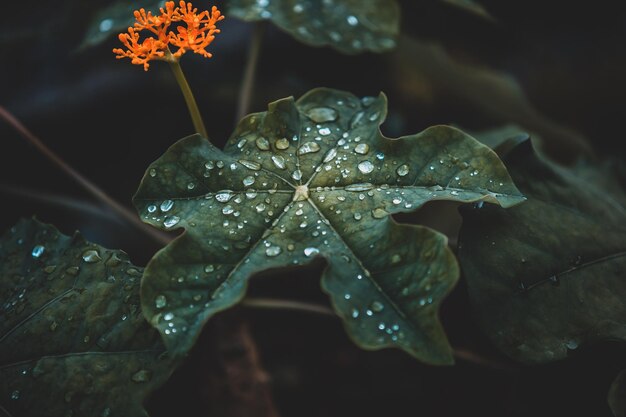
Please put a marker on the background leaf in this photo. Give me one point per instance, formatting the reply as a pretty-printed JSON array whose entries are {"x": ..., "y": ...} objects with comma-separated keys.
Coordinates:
[
  {"x": 547, "y": 276},
  {"x": 350, "y": 26},
  {"x": 73, "y": 340},
  {"x": 308, "y": 178}
]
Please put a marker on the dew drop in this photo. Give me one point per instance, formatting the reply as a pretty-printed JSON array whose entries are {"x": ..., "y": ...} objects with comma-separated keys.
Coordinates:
[
  {"x": 224, "y": 196},
  {"x": 366, "y": 167},
  {"x": 15, "y": 395},
  {"x": 160, "y": 301},
  {"x": 352, "y": 20},
  {"x": 362, "y": 148},
  {"x": 171, "y": 221},
  {"x": 278, "y": 161},
  {"x": 402, "y": 170},
  {"x": 322, "y": 114},
  {"x": 357, "y": 216},
  {"x": 151, "y": 208},
  {"x": 377, "y": 306},
  {"x": 142, "y": 375},
  {"x": 191, "y": 186},
  {"x": 255, "y": 166},
  {"x": 273, "y": 251},
  {"x": 330, "y": 155},
  {"x": 167, "y": 205},
  {"x": 355, "y": 313},
  {"x": 282, "y": 144},
  {"x": 209, "y": 165},
  {"x": 37, "y": 251},
  {"x": 380, "y": 156},
  {"x": 365, "y": 186},
  {"x": 308, "y": 147},
  {"x": 262, "y": 143},
  {"x": 168, "y": 316},
  {"x": 297, "y": 175},
  {"x": 91, "y": 256},
  {"x": 311, "y": 251},
  {"x": 228, "y": 209},
  {"x": 324, "y": 131},
  {"x": 379, "y": 213},
  {"x": 152, "y": 172},
  {"x": 248, "y": 181}
]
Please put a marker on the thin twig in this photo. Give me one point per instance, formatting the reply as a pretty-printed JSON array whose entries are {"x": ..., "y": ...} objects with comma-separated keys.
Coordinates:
[
  {"x": 60, "y": 200},
  {"x": 93, "y": 189},
  {"x": 247, "y": 85},
  {"x": 275, "y": 303}
]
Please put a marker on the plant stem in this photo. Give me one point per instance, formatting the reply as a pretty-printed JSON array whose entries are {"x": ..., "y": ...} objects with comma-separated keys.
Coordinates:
[
  {"x": 192, "y": 106},
  {"x": 92, "y": 188},
  {"x": 247, "y": 85}
]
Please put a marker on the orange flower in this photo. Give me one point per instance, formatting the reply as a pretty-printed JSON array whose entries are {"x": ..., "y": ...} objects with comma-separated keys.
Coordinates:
[{"x": 195, "y": 33}]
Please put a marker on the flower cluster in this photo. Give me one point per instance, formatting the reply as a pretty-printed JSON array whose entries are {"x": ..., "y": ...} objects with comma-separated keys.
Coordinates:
[{"x": 194, "y": 32}]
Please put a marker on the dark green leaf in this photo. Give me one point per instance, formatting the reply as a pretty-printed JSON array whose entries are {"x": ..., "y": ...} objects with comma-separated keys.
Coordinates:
[
  {"x": 73, "y": 340},
  {"x": 350, "y": 26},
  {"x": 115, "y": 18},
  {"x": 307, "y": 178},
  {"x": 547, "y": 276},
  {"x": 471, "y": 6},
  {"x": 617, "y": 395}
]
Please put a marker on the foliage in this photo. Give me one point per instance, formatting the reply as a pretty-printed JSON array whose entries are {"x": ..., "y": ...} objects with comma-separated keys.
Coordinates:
[{"x": 73, "y": 340}]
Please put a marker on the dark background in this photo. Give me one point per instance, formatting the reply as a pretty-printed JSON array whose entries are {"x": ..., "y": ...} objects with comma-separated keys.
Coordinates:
[{"x": 109, "y": 120}]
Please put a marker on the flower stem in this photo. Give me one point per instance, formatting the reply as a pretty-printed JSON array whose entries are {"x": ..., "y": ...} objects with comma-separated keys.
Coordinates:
[
  {"x": 198, "y": 124},
  {"x": 247, "y": 85}
]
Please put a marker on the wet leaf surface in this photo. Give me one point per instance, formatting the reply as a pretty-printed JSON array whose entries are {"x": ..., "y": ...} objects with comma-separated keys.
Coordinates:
[
  {"x": 73, "y": 340},
  {"x": 350, "y": 26},
  {"x": 547, "y": 276},
  {"x": 314, "y": 178}
]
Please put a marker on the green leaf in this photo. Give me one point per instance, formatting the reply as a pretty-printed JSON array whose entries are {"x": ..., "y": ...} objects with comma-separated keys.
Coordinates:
[
  {"x": 350, "y": 26},
  {"x": 471, "y": 7},
  {"x": 115, "y": 18},
  {"x": 73, "y": 340},
  {"x": 617, "y": 395},
  {"x": 308, "y": 178},
  {"x": 547, "y": 276}
]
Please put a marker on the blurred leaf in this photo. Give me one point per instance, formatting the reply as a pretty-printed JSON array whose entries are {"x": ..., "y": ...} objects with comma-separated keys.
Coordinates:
[
  {"x": 115, "y": 18},
  {"x": 498, "y": 136},
  {"x": 73, "y": 340},
  {"x": 425, "y": 68},
  {"x": 350, "y": 26},
  {"x": 308, "y": 178},
  {"x": 547, "y": 276},
  {"x": 617, "y": 395}
]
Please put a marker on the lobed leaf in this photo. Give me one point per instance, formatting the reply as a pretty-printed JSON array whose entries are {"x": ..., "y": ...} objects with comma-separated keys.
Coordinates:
[
  {"x": 350, "y": 26},
  {"x": 547, "y": 276},
  {"x": 314, "y": 178},
  {"x": 73, "y": 340}
]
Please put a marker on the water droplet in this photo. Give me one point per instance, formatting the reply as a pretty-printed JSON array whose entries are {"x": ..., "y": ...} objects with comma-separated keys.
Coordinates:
[
  {"x": 364, "y": 186},
  {"x": 330, "y": 155},
  {"x": 166, "y": 205},
  {"x": 396, "y": 200},
  {"x": 377, "y": 306},
  {"x": 228, "y": 209},
  {"x": 366, "y": 167},
  {"x": 260, "y": 207},
  {"x": 571, "y": 344},
  {"x": 374, "y": 116},
  {"x": 297, "y": 175},
  {"x": 255, "y": 166},
  {"x": 209, "y": 268},
  {"x": 220, "y": 164},
  {"x": 191, "y": 186},
  {"x": 362, "y": 148},
  {"x": 352, "y": 20},
  {"x": 322, "y": 114},
  {"x": 282, "y": 144},
  {"x": 262, "y": 143},
  {"x": 72, "y": 270},
  {"x": 379, "y": 213},
  {"x": 311, "y": 251},
  {"x": 106, "y": 25},
  {"x": 209, "y": 165},
  {"x": 324, "y": 131},
  {"x": 308, "y": 147},
  {"x": 171, "y": 221},
  {"x": 278, "y": 161},
  {"x": 273, "y": 251},
  {"x": 357, "y": 216},
  {"x": 152, "y": 172},
  {"x": 402, "y": 170},
  {"x": 37, "y": 251},
  {"x": 355, "y": 313},
  {"x": 142, "y": 375},
  {"x": 223, "y": 196},
  {"x": 91, "y": 256},
  {"x": 15, "y": 395},
  {"x": 151, "y": 208},
  {"x": 168, "y": 316},
  {"x": 160, "y": 301},
  {"x": 248, "y": 181}
]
